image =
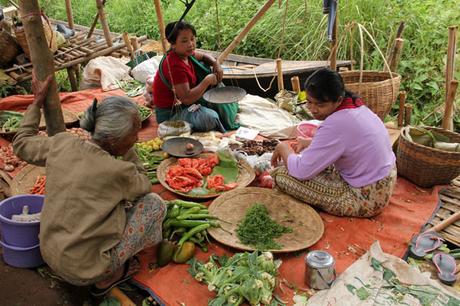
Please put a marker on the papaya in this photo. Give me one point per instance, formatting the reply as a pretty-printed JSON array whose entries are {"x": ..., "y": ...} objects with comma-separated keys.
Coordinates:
[
  {"x": 165, "y": 252},
  {"x": 184, "y": 252}
]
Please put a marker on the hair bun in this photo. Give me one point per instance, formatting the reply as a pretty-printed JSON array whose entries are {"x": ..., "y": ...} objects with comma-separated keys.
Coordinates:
[{"x": 88, "y": 121}]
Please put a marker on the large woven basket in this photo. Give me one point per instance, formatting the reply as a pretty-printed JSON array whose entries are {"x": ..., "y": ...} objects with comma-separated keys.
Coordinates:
[
  {"x": 50, "y": 35},
  {"x": 378, "y": 89},
  {"x": 9, "y": 48},
  {"x": 426, "y": 166}
]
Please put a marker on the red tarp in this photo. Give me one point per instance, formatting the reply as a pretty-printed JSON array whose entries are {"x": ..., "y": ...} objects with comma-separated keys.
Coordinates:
[{"x": 410, "y": 207}]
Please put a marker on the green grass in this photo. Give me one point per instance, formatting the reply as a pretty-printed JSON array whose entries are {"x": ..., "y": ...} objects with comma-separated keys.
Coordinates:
[{"x": 423, "y": 61}]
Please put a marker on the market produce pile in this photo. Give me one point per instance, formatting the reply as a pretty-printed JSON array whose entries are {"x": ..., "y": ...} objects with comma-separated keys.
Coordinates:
[
  {"x": 184, "y": 226},
  {"x": 146, "y": 151},
  {"x": 257, "y": 229},
  {"x": 430, "y": 138},
  {"x": 244, "y": 277},
  {"x": 256, "y": 147},
  {"x": 201, "y": 176},
  {"x": 39, "y": 185},
  {"x": 9, "y": 159},
  {"x": 10, "y": 121},
  {"x": 144, "y": 112}
]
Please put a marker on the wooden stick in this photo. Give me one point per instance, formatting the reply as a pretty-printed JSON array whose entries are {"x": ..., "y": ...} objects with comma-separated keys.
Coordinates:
[
  {"x": 128, "y": 45},
  {"x": 105, "y": 26},
  {"x": 43, "y": 64},
  {"x": 442, "y": 225},
  {"x": 451, "y": 50},
  {"x": 72, "y": 78},
  {"x": 161, "y": 26},
  {"x": 280, "y": 74},
  {"x": 395, "y": 55},
  {"x": 448, "y": 118},
  {"x": 135, "y": 43},
  {"x": 402, "y": 102},
  {"x": 68, "y": 9},
  {"x": 93, "y": 25},
  {"x": 407, "y": 114},
  {"x": 333, "y": 55},
  {"x": 244, "y": 32},
  {"x": 295, "y": 83}
]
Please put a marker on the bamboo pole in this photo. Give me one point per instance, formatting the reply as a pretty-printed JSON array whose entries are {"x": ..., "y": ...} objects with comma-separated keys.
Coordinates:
[
  {"x": 103, "y": 20},
  {"x": 42, "y": 61},
  {"x": 161, "y": 26},
  {"x": 68, "y": 9},
  {"x": 93, "y": 25},
  {"x": 395, "y": 55},
  {"x": 448, "y": 118},
  {"x": 72, "y": 78},
  {"x": 407, "y": 114},
  {"x": 134, "y": 43},
  {"x": 451, "y": 50},
  {"x": 445, "y": 223},
  {"x": 279, "y": 70},
  {"x": 295, "y": 83},
  {"x": 244, "y": 32},
  {"x": 128, "y": 45},
  {"x": 402, "y": 102},
  {"x": 334, "y": 45}
]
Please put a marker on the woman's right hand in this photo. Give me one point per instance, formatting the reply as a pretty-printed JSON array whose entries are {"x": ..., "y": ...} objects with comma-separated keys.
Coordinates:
[
  {"x": 211, "y": 79},
  {"x": 301, "y": 144}
]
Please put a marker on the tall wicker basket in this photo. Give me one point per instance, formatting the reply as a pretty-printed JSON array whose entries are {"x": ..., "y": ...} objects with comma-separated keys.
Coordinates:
[
  {"x": 426, "y": 166},
  {"x": 9, "y": 48},
  {"x": 50, "y": 36},
  {"x": 378, "y": 89}
]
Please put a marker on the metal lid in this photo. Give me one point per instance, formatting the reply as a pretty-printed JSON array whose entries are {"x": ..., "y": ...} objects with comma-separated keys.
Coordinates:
[{"x": 319, "y": 259}]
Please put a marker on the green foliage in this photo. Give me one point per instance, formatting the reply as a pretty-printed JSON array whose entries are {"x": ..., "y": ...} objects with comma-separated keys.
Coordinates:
[{"x": 304, "y": 38}]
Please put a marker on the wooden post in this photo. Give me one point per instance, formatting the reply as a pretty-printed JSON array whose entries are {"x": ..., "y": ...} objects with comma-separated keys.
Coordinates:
[
  {"x": 451, "y": 50},
  {"x": 93, "y": 25},
  {"x": 279, "y": 69},
  {"x": 244, "y": 32},
  {"x": 395, "y": 55},
  {"x": 407, "y": 114},
  {"x": 402, "y": 102},
  {"x": 72, "y": 78},
  {"x": 333, "y": 55},
  {"x": 134, "y": 43},
  {"x": 128, "y": 45},
  {"x": 42, "y": 61},
  {"x": 448, "y": 119},
  {"x": 105, "y": 26},
  {"x": 161, "y": 26},
  {"x": 68, "y": 9},
  {"x": 295, "y": 83}
]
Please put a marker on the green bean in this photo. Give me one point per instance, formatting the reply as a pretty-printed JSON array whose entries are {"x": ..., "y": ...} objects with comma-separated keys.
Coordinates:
[
  {"x": 187, "y": 204},
  {"x": 198, "y": 217},
  {"x": 187, "y": 223},
  {"x": 188, "y": 213}
]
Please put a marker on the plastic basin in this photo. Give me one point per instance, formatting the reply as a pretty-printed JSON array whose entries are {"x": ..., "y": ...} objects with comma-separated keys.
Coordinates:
[
  {"x": 18, "y": 257},
  {"x": 306, "y": 129},
  {"x": 20, "y": 234}
]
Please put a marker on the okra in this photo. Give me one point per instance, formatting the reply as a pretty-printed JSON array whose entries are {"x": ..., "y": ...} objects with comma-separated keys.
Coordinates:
[{"x": 192, "y": 232}]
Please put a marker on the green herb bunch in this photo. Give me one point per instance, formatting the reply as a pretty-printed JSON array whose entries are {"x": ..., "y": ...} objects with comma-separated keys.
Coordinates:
[{"x": 258, "y": 229}]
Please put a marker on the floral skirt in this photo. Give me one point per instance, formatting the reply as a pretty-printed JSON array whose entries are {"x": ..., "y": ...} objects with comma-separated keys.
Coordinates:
[
  {"x": 143, "y": 229},
  {"x": 331, "y": 193}
]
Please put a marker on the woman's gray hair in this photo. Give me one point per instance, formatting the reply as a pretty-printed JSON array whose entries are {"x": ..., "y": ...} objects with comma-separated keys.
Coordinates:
[{"x": 111, "y": 120}]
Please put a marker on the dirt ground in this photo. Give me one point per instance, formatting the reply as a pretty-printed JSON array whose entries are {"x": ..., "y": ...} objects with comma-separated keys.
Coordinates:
[{"x": 37, "y": 287}]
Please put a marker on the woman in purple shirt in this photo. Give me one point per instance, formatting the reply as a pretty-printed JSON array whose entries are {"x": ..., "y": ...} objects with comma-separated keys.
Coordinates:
[{"x": 348, "y": 167}]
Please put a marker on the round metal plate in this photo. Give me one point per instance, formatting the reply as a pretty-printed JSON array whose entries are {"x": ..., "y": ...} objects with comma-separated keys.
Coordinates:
[
  {"x": 223, "y": 95},
  {"x": 178, "y": 147}
]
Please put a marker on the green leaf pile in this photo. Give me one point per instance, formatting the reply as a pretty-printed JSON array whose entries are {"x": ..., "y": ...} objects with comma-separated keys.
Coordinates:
[{"x": 258, "y": 229}]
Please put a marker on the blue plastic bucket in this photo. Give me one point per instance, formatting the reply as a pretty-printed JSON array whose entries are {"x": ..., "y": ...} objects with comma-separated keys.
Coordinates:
[
  {"x": 18, "y": 257},
  {"x": 20, "y": 234}
]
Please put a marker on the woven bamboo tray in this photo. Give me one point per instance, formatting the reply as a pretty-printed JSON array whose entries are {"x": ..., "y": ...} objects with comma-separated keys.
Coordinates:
[
  {"x": 449, "y": 199},
  {"x": 231, "y": 207},
  {"x": 245, "y": 176},
  {"x": 25, "y": 179}
]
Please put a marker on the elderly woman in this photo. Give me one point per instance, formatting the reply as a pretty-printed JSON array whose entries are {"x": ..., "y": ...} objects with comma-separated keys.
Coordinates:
[
  {"x": 348, "y": 168},
  {"x": 181, "y": 81},
  {"x": 98, "y": 210}
]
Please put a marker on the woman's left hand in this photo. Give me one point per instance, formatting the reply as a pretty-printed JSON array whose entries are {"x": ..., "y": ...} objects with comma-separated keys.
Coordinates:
[{"x": 218, "y": 71}]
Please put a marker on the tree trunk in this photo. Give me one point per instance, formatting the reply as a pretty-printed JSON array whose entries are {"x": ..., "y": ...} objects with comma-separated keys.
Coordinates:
[{"x": 42, "y": 61}]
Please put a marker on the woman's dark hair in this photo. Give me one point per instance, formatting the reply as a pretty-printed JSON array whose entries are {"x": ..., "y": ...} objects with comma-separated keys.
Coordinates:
[
  {"x": 327, "y": 85},
  {"x": 173, "y": 28}
]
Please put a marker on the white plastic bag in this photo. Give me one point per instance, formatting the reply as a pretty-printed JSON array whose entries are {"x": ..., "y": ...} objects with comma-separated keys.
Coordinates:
[
  {"x": 165, "y": 129},
  {"x": 145, "y": 69}
]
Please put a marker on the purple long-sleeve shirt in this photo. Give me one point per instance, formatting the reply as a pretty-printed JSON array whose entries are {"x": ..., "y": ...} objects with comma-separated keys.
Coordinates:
[{"x": 355, "y": 141}]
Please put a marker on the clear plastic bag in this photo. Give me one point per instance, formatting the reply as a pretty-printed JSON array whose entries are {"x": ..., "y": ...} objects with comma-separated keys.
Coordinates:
[{"x": 174, "y": 128}]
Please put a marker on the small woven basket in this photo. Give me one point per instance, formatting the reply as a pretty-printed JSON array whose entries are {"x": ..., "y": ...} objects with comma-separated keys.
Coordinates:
[
  {"x": 426, "y": 166},
  {"x": 378, "y": 89}
]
